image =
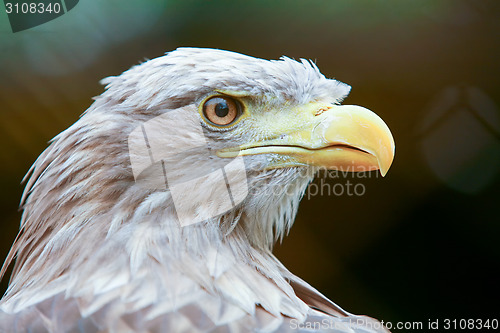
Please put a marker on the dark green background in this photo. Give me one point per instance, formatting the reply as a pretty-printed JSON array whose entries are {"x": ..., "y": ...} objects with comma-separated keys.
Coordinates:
[{"x": 413, "y": 248}]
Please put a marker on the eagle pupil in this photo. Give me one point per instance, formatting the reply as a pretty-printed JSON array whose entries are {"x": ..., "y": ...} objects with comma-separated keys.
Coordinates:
[{"x": 221, "y": 109}]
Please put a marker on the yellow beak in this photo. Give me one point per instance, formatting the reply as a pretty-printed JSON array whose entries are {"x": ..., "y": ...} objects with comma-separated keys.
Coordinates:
[{"x": 346, "y": 138}]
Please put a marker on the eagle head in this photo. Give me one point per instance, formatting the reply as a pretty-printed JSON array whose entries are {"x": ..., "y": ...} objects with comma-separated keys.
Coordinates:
[{"x": 171, "y": 189}]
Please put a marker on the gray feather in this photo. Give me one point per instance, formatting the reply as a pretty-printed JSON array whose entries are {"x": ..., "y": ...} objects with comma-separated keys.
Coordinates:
[{"x": 97, "y": 251}]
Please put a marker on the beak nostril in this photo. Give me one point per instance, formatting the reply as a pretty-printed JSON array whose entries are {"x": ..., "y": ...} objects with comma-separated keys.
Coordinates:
[{"x": 321, "y": 110}]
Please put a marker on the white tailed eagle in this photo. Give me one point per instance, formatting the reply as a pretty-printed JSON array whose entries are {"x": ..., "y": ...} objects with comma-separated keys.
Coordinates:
[{"x": 158, "y": 209}]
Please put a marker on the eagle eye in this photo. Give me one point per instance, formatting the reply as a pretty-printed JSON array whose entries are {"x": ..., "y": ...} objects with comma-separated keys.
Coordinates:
[{"x": 221, "y": 110}]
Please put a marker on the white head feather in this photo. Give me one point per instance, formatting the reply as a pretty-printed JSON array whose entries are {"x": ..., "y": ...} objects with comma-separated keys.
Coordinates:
[{"x": 93, "y": 234}]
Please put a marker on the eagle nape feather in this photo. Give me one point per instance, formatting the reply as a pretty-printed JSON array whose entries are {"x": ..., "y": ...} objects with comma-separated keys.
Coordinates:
[{"x": 158, "y": 209}]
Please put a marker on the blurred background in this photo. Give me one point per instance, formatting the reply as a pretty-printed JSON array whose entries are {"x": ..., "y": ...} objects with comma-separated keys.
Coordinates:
[{"x": 420, "y": 244}]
